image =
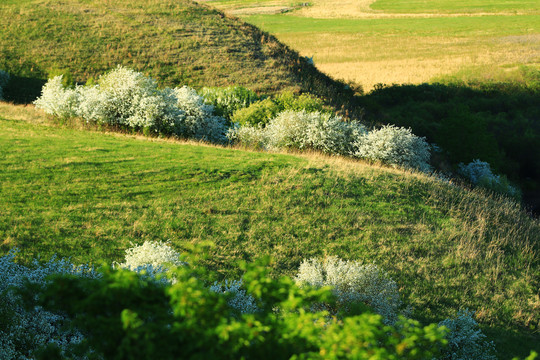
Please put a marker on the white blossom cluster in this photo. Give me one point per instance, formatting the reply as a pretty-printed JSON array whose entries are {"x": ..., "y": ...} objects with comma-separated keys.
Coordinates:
[
  {"x": 395, "y": 146},
  {"x": 151, "y": 259},
  {"x": 479, "y": 173},
  {"x": 313, "y": 130},
  {"x": 128, "y": 98},
  {"x": 330, "y": 134},
  {"x": 248, "y": 136},
  {"x": 22, "y": 331},
  {"x": 57, "y": 100},
  {"x": 199, "y": 120},
  {"x": 353, "y": 282},
  {"x": 4, "y": 79},
  {"x": 476, "y": 171},
  {"x": 465, "y": 340},
  {"x": 239, "y": 300}
]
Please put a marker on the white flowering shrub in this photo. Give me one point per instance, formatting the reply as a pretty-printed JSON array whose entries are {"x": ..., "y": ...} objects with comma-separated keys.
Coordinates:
[
  {"x": 395, "y": 146},
  {"x": 199, "y": 120},
  {"x": 228, "y": 100},
  {"x": 22, "y": 331},
  {"x": 248, "y": 136},
  {"x": 151, "y": 259},
  {"x": 57, "y": 100},
  {"x": 465, "y": 340},
  {"x": 4, "y": 79},
  {"x": 353, "y": 282},
  {"x": 312, "y": 130},
  {"x": 479, "y": 173},
  {"x": 129, "y": 99},
  {"x": 239, "y": 300}
]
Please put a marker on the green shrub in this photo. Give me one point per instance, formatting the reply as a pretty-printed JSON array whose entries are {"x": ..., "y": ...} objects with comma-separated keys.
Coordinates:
[
  {"x": 261, "y": 112},
  {"x": 67, "y": 77},
  {"x": 228, "y": 100},
  {"x": 258, "y": 113}
]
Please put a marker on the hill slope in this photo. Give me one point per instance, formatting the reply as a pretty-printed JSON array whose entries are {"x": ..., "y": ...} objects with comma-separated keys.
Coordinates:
[
  {"x": 174, "y": 41},
  {"x": 90, "y": 195}
]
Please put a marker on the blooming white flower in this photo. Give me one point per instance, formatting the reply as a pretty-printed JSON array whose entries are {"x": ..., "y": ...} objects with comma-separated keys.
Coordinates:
[
  {"x": 395, "y": 146},
  {"x": 57, "y": 100},
  {"x": 239, "y": 300},
  {"x": 353, "y": 282},
  {"x": 312, "y": 130},
  {"x": 151, "y": 258},
  {"x": 465, "y": 340}
]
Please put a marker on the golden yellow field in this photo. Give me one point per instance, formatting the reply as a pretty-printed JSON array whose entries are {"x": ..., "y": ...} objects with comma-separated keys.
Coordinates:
[{"x": 349, "y": 40}]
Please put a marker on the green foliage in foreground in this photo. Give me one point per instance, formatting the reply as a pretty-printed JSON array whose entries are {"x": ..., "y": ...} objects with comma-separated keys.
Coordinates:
[
  {"x": 125, "y": 316},
  {"x": 88, "y": 196}
]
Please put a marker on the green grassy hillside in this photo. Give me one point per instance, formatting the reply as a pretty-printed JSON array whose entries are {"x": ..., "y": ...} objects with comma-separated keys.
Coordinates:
[
  {"x": 89, "y": 196},
  {"x": 177, "y": 42}
]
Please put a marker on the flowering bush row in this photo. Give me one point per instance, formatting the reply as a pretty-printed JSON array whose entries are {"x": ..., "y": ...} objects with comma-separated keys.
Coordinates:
[
  {"x": 83, "y": 312},
  {"x": 4, "y": 79},
  {"x": 330, "y": 134},
  {"x": 127, "y": 98}
]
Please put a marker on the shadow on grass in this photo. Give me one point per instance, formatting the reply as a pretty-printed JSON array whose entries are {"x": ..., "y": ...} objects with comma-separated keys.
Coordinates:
[
  {"x": 496, "y": 122},
  {"x": 23, "y": 90}
]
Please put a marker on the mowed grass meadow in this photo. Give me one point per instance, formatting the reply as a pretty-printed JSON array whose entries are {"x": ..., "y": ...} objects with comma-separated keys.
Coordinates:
[
  {"x": 89, "y": 195},
  {"x": 399, "y": 42}
]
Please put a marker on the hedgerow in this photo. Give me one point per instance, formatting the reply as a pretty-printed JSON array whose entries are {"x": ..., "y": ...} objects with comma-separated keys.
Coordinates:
[
  {"x": 56, "y": 309},
  {"x": 125, "y": 316},
  {"x": 129, "y": 99}
]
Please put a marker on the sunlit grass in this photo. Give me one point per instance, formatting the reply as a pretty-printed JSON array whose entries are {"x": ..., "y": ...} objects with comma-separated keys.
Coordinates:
[{"x": 89, "y": 195}]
